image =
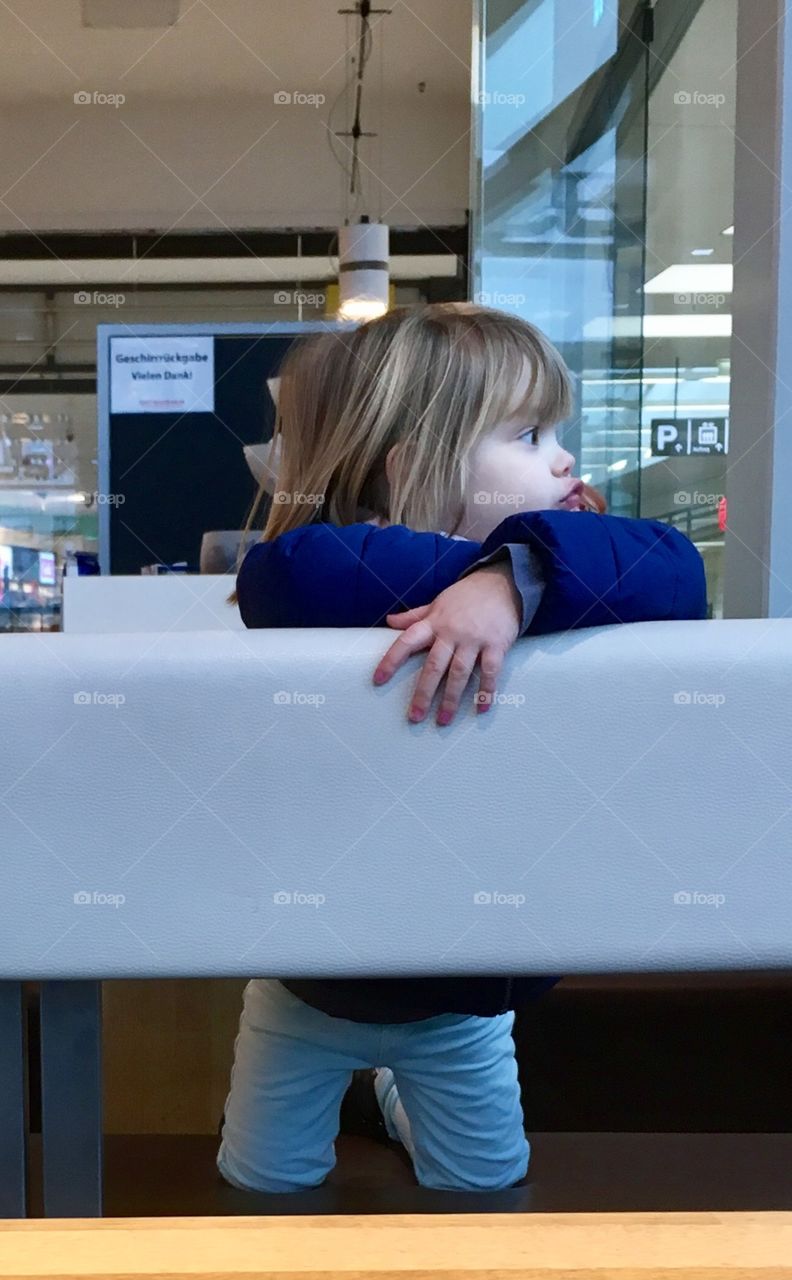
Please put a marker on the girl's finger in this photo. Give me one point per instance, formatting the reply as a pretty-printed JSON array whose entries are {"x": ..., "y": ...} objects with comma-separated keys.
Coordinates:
[
  {"x": 434, "y": 669},
  {"x": 415, "y": 638},
  {"x": 490, "y": 669},
  {"x": 407, "y": 618},
  {"x": 463, "y": 662}
]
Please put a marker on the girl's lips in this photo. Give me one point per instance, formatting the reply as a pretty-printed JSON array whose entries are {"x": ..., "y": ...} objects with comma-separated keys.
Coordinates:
[{"x": 574, "y": 500}]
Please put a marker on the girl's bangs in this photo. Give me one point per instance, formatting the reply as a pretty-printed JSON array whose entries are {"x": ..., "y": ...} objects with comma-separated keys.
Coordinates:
[{"x": 549, "y": 400}]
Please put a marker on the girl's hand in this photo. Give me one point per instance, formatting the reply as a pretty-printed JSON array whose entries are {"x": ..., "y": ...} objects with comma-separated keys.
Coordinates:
[{"x": 474, "y": 620}]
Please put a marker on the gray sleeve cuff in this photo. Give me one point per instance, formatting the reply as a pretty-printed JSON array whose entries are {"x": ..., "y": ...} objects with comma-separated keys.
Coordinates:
[{"x": 527, "y": 573}]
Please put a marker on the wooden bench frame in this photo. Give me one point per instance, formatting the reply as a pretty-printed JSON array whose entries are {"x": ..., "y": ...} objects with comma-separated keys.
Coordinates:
[{"x": 674, "y": 1246}]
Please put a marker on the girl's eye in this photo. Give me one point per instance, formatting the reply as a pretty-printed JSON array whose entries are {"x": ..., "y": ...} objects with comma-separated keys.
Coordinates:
[{"x": 531, "y": 431}]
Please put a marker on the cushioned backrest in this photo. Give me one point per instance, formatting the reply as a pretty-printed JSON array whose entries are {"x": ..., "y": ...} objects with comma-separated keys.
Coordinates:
[{"x": 249, "y": 804}]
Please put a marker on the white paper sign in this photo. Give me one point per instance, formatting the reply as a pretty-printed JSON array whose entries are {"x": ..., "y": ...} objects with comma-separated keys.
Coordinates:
[{"x": 162, "y": 375}]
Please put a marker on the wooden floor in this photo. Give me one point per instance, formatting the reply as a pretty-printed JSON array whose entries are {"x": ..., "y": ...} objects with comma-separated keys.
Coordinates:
[{"x": 392, "y": 1247}]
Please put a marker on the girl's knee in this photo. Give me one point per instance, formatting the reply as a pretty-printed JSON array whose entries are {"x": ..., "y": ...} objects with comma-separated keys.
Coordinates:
[
  {"x": 272, "y": 1186},
  {"x": 257, "y": 1180},
  {"x": 501, "y": 1181},
  {"x": 482, "y": 1171}
]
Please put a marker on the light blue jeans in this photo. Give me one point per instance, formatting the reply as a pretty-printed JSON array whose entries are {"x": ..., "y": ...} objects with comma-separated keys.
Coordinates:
[{"x": 451, "y": 1095}]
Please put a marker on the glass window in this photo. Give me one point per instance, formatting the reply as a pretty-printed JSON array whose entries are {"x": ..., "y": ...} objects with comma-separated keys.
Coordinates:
[
  {"x": 688, "y": 285},
  {"x": 604, "y": 158}
]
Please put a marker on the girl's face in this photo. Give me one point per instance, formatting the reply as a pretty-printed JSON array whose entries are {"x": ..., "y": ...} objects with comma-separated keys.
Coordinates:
[{"x": 519, "y": 466}]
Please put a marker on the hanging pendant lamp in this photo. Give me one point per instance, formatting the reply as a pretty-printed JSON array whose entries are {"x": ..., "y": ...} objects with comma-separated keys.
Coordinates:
[{"x": 363, "y": 270}]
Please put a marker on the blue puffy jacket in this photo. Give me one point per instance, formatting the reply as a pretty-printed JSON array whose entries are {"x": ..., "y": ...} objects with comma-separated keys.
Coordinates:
[{"x": 596, "y": 570}]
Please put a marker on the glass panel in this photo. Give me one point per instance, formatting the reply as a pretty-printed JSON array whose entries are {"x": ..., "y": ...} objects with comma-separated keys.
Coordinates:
[
  {"x": 558, "y": 231},
  {"x": 689, "y": 275},
  {"x": 604, "y": 176},
  {"x": 47, "y": 501}
]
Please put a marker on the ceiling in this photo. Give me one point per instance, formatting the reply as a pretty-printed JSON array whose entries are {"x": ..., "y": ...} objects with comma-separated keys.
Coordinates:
[{"x": 230, "y": 47}]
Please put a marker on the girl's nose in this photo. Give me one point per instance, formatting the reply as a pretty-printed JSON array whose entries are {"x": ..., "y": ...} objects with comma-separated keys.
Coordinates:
[{"x": 567, "y": 463}]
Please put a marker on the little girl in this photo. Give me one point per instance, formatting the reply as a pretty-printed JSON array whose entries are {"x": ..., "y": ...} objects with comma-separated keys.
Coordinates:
[{"x": 405, "y": 442}]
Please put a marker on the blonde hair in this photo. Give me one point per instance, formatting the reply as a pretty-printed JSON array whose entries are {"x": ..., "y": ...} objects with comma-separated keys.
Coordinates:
[{"x": 435, "y": 380}]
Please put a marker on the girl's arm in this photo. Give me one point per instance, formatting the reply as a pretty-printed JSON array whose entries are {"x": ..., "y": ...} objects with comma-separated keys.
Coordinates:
[
  {"x": 561, "y": 570},
  {"x": 601, "y": 569},
  {"x": 571, "y": 568},
  {"x": 326, "y": 575}
]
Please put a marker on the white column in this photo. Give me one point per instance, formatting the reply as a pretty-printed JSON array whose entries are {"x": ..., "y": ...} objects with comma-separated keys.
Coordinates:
[{"x": 758, "y": 550}]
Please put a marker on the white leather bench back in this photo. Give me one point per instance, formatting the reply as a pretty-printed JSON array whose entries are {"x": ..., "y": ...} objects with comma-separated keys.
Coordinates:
[{"x": 247, "y": 803}]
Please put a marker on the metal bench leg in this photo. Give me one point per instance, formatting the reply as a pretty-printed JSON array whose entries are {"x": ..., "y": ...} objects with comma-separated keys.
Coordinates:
[
  {"x": 71, "y": 1098},
  {"x": 13, "y": 1153}
]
